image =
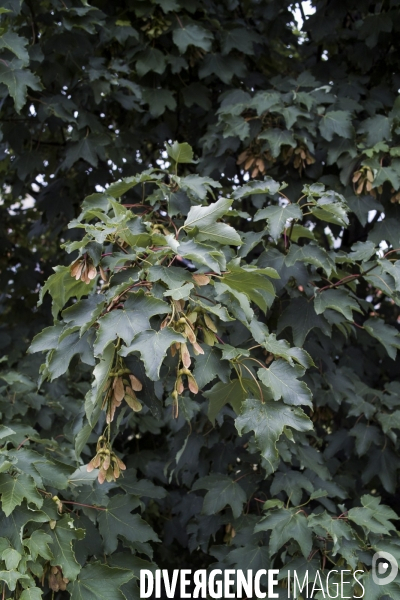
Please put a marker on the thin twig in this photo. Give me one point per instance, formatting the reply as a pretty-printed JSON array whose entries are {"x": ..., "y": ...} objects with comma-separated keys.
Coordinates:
[
  {"x": 205, "y": 298},
  {"x": 80, "y": 504},
  {"x": 22, "y": 443},
  {"x": 257, "y": 384}
]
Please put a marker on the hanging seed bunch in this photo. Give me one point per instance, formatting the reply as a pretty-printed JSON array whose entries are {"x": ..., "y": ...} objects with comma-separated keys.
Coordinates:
[
  {"x": 190, "y": 324},
  {"x": 84, "y": 269},
  {"x": 395, "y": 198},
  {"x": 195, "y": 55},
  {"x": 230, "y": 533},
  {"x": 179, "y": 387},
  {"x": 108, "y": 463},
  {"x": 181, "y": 323},
  {"x": 203, "y": 325},
  {"x": 159, "y": 228},
  {"x": 155, "y": 26},
  {"x": 184, "y": 326},
  {"x": 121, "y": 385},
  {"x": 57, "y": 581},
  {"x": 255, "y": 160},
  {"x": 300, "y": 156},
  {"x": 363, "y": 180}
]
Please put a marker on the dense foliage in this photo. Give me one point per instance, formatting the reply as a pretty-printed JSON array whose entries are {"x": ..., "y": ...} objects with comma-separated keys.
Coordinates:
[{"x": 220, "y": 384}]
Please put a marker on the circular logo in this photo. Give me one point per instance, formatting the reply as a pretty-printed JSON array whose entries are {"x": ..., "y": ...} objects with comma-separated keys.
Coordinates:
[{"x": 382, "y": 563}]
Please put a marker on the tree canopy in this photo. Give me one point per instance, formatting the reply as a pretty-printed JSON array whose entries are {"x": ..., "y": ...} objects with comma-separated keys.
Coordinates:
[{"x": 200, "y": 282}]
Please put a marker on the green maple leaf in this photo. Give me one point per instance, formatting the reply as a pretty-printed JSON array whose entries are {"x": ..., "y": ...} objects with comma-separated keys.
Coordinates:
[
  {"x": 222, "y": 491},
  {"x": 208, "y": 366},
  {"x": 70, "y": 346},
  {"x": 310, "y": 254},
  {"x": 18, "y": 79},
  {"x": 127, "y": 322},
  {"x": 282, "y": 380},
  {"x": 365, "y": 435},
  {"x": 249, "y": 557},
  {"x": 339, "y": 300},
  {"x": 94, "y": 395},
  {"x": 38, "y": 545},
  {"x": 119, "y": 188},
  {"x": 376, "y": 591},
  {"x": 11, "y": 558},
  {"x": 224, "y": 67},
  {"x": 199, "y": 187},
  {"x": 203, "y": 254},
  {"x": 151, "y": 59},
  {"x": 278, "y": 138},
  {"x": 240, "y": 39},
  {"x": 387, "y": 335},
  {"x": 173, "y": 277},
  {"x": 100, "y": 582},
  {"x": 362, "y": 251},
  {"x": 180, "y": 153},
  {"x": 301, "y": 317},
  {"x": 158, "y": 101},
  {"x": 268, "y": 420},
  {"x": 336, "y": 122},
  {"x": 15, "y": 44},
  {"x": 12, "y": 527},
  {"x": 181, "y": 292},
  {"x": 253, "y": 283},
  {"x": 285, "y": 525},
  {"x": 33, "y": 593},
  {"x": 63, "y": 535},
  {"x": 84, "y": 313},
  {"x": 153, "y": 346},
  {"x": 192, "y": 35},
  {"x": 234, "y": 392},
  {"x": 373, "y": 516},
  {"x": 117, "y": 520},
  {"x": 14, "y": 490},
  {"x": 268, "y": 186},
  {"x": 292, "y": 483},
  {"x": 141, "y": 487},
  {"x": 277, "y": 217},
  {"x": 203, "y": 216},
  {"x": 219, "y": 232},
  {"x": 282, "y": 348},
  {"x": 387, "y": 229},
  {"x": 61, "y": 287},
  {"x": 337, "y": 529},
  {"x": 11, "y": 578}
]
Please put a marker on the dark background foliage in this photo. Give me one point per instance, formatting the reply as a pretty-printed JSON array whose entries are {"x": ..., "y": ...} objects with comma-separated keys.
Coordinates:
[{"x": 90, "y": 94}]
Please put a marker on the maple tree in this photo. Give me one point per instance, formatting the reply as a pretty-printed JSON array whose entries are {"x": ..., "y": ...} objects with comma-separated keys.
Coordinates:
[{"x": 216, "y": 338}]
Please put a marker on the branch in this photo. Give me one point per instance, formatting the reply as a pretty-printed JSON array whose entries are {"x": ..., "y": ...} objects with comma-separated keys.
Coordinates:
[{"x": 80, "y": 504}]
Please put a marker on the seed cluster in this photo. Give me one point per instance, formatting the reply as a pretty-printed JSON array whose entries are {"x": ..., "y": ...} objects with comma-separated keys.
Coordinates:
[
  {"x": 84, "y": 269},
  {"x": 108, "y": 463},
  {"x": 121, "y": 385}
]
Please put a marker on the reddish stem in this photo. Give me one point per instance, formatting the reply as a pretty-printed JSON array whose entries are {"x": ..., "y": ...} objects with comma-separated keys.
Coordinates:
[
  {"x": 340, "y": 282},
  {"x": 22, "y": 443},
  {"x": 80, "y": 504}
]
